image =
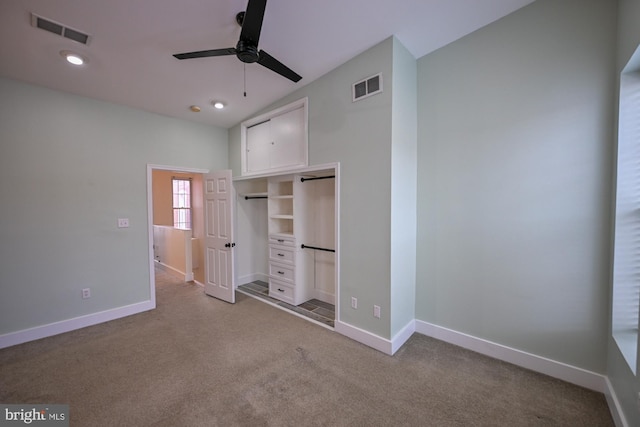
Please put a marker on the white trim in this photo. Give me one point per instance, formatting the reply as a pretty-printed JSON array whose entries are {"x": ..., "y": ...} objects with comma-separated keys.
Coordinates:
[
  {"x": 365, "y": 337},
  {"x": 290, "y": 171},
  {"x": 614, "y": 405},
  {"x": 63, "y": 326},
  {"x": 403, "y": 336},
  {"x": 571, "y": 374},
  {"x": 374, "y": 341}
]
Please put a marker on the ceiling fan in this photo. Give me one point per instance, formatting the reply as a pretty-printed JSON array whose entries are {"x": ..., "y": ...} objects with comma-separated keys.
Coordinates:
[{"x": 247, "y": 48}]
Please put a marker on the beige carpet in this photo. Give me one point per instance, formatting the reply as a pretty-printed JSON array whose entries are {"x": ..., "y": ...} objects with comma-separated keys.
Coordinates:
[{"x": 197, "y": 361}]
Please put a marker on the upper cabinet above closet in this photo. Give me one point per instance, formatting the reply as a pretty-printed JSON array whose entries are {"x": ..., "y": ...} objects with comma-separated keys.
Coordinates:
[{"x": 275, "y": 141}]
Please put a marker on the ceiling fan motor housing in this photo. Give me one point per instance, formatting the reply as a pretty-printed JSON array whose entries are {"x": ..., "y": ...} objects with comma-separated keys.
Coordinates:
[{"x": 246, "y": 52}]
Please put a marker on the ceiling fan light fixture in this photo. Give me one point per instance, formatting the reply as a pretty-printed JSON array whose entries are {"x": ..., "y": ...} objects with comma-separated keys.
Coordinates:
[
  {"x": 218, "y": 105},
  {"x": 73, "y": 58}
]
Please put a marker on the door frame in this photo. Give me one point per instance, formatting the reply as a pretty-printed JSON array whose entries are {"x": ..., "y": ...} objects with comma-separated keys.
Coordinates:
[{"x": 150, "y": 169}]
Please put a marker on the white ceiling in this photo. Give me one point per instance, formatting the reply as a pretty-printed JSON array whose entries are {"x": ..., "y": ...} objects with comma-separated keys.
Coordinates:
[{"x": 130, "y": 54}]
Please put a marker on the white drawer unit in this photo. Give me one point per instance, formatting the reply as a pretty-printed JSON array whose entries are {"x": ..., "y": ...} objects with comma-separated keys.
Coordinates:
[
  {"x": 276, "y": 239},
  {"x": 285, "y": 273},
  {"x": 287, "y": 215},
  {"x": 281, "y": 291},
  {"x": 282, "y": 254}
]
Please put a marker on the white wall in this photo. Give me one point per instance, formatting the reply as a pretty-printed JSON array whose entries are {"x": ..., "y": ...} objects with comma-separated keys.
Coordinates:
[
  {"x": 173, "y": 248},
  {"x": 69, "y": 167},
  {"x": 403, "y": 189},
  {"x": 515, "y": 136}
]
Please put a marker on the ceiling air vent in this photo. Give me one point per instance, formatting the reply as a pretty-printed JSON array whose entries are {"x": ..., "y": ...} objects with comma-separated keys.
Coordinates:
[
  {"x": 59, "y": 29},
  {"x": 367, "y": 87}
]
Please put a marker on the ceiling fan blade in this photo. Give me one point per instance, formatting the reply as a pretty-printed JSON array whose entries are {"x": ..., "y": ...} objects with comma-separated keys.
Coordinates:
[
  {"x": 252, "y": 23},
  {"x": 273, "y": 64},
  {"x": 206, "y": 53}
]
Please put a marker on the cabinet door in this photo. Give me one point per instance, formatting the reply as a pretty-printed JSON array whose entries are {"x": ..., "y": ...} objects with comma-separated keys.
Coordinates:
[
  {"x": 259, "y": 145},
  {"x": 287, "y": 134}
]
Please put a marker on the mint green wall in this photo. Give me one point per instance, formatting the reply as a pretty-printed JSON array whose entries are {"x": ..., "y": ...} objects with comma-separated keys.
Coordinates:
[
  {"x": 403, "y": 188},
  {"x": 69, "y": 167},
  {"x": 626, "y": 385},
  {"x": 358, "y": 135},
  {"x": 514, "y": 171}
]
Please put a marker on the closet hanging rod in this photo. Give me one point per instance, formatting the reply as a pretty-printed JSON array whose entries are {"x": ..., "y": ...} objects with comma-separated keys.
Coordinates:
[
  {"x": 254, "y": 197},
  {"x": 319, "y": 177},
  {"x": 317, "y": 248}
]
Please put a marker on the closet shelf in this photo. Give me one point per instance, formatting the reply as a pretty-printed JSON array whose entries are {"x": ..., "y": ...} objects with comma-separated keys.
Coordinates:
[
  {"x": 281, "y": 216},
  {"x": 286, "y": 196}
]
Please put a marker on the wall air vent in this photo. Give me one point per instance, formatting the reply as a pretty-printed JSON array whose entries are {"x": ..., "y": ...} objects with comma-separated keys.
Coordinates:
[
  {"x": 367, "y": 87},
  {"x": 59, "y": 29}
]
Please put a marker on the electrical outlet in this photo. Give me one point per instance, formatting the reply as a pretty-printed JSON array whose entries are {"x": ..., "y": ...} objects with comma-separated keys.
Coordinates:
[
  {"x": 123, "y": 222},
  {"x": 354, "y": 302},
  {"x": 376, "y": 311},
  {"x": 86, "y": 293}
]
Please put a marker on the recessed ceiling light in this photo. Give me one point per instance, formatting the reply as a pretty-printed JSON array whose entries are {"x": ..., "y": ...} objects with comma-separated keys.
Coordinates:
[
  {"x": 195, "y": 108},
  {"x": 219, "y": 105},
  {"x": 73, "y": 58}
]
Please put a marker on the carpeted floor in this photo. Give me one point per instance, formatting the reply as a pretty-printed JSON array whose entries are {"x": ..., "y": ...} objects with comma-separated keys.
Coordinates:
[{"x": 197, "y": 361}]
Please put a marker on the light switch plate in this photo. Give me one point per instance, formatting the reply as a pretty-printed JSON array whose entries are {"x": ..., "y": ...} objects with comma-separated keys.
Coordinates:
[{"x": 123, "y": 222}]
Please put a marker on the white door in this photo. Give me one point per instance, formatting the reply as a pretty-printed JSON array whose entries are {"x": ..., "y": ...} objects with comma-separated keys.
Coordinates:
[
  {"x": 287, "y": 132},
  {"x": 219, "y": 245},
  {"x": 259, "y": 144}
]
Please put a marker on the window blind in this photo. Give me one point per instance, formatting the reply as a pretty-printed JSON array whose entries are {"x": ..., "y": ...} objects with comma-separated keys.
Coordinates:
[{"x": 626, "y": 264}]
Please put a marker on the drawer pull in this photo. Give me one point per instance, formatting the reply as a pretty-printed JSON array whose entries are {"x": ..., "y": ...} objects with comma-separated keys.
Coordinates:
[
  {"x": 280, "y": 254},
  {"x": 280, "y": 290},
  {"x": 280, "y": 272},
  {"x": 281, "y": 240}
]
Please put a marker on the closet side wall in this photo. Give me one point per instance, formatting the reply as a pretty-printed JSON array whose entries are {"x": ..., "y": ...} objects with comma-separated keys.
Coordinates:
[
  {"x": 320, "y": 232},
  {"x": 251, "y": 255}
]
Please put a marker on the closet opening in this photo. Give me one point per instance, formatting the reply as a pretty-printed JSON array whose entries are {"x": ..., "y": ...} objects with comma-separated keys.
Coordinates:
[{"x": 287, "y": 233}]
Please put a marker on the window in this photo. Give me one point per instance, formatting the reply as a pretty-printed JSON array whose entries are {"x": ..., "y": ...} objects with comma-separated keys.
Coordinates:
[
  {"x": 626, "y": 262},
  {"x": 182, "y": 203}
]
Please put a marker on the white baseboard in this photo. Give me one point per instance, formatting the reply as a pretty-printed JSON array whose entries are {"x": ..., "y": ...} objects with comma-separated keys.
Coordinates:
[
  {"x": 401, "y": 337},
  {"x": 562, "y": 371},
  {"x": 375, "y": 341},
  {"x": 364, "y": 337},
  {"x": 56, "y": 328},
  {"x": 614, "y": 405}
]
